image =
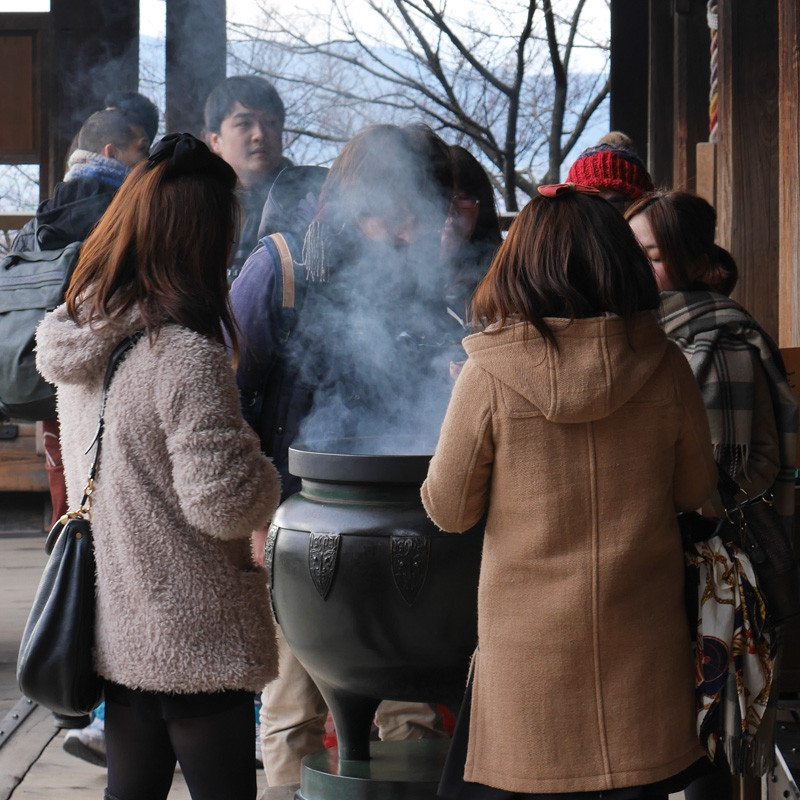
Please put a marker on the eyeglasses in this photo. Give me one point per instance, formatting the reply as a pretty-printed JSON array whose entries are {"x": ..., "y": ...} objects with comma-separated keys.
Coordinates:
[{"x": 464, "y": 202}]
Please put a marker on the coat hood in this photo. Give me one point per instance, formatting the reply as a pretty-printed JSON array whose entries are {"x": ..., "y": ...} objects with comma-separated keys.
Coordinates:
[
  {"x": 78, "y": 354},
  {"x": 600, "y": 363},
  {"x": 292, "y": 201}
]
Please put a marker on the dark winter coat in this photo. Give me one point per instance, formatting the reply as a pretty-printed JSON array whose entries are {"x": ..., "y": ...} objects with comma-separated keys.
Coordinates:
[{"x": 68, "y": 216}]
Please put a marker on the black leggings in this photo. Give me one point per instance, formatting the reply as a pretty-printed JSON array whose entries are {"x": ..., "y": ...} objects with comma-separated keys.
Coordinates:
[{"x": 215, "y": 753}]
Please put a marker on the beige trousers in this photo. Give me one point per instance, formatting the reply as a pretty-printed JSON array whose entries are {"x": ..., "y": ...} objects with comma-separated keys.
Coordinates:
[{"x": 293, "y": 716}]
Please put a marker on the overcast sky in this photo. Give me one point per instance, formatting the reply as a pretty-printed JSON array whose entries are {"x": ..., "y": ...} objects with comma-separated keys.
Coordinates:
[{"x": 153, "y": 12}]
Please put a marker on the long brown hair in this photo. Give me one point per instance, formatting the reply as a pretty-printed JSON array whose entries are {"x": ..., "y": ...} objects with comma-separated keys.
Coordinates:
[
  {"x": 163, "y": 244},
  {"x": 568, "y": 257},
  {"x": 683, "y": 227}
]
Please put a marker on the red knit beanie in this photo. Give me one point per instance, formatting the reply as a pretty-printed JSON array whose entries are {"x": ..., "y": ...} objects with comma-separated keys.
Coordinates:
[{"x": 609, "y": 167}]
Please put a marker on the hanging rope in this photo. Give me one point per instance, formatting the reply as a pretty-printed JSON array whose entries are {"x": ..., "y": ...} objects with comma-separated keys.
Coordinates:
[{"x": 713, "y": 93}]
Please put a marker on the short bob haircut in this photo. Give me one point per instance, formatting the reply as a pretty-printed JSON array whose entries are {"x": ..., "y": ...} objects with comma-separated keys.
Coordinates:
[
  {"x": 249, "y": 90},
  {"x": 566, "y": 257},
  {"x": 684, "y": 226},
  {"x": 163, "y": 246}
]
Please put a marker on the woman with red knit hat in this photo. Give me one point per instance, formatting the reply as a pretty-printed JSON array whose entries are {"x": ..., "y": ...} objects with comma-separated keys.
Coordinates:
[{"x": 613, "y": 167}]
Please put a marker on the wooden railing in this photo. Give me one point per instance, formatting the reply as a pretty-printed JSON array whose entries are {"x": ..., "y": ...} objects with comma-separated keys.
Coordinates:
[{"x": 9, "y": 225}]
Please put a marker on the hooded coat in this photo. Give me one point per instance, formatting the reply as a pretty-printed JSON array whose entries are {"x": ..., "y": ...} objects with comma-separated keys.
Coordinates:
[
  {"x": 180, "y": 486},
  {"x": 580, "y": 456}
]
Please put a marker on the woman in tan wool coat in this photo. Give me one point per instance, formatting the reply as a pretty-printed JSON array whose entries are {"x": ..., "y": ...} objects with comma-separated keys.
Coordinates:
[
  {"x": 579, "y": 430},
  {"x": 184, "y": 629}
]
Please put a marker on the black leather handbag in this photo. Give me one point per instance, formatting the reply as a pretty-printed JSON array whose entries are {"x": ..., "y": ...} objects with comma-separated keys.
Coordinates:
[
  {"x": 55, "y": 664},
  {"x": 753, "y": 525}
]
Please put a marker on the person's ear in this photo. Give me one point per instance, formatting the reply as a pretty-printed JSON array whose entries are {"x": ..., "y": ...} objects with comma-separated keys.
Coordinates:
[
  {"x": 109, "y": 151},
  {"x": 215, "y": 143}
]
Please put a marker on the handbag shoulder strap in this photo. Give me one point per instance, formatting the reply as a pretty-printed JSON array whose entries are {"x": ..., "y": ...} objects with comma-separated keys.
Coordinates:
[
  {"x": 84, "y": 511},
  {"x": 114, "y": 361},
  {"x": 727, "y": 488}
]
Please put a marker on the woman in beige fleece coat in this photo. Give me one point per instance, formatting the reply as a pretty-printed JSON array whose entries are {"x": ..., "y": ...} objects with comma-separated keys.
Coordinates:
[
  {"x": 184, "y": 628},
  {"x": 579, "y": 430}
]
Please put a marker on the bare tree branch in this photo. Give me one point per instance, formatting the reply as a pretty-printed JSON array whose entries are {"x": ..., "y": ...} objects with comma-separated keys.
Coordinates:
[{"x": 502, "y": 87}]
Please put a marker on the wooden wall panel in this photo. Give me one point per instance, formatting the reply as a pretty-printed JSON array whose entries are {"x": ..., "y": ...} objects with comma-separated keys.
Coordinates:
[
  {"x": 26, "y": 96},
  {"x": 19, "y": 131}
]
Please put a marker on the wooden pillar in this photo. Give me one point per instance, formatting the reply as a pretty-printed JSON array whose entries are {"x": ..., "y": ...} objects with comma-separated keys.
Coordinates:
[
  {"x": 789, "y": 172},
  {"x": 196, "y": 52},
  {"x": 95, "y": 49},
  {"x": 661, "y": 108},
  {"x": 628, "y": 102},
  {"x": 690, "y": 89},
  {"x": 748, "y": 175}
]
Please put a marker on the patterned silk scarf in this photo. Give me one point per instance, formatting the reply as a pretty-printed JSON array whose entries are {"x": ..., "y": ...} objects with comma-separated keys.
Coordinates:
[{"x": 733, "y": 659}]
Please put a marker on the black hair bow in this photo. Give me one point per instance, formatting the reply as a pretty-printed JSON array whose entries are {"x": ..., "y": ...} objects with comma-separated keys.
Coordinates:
[{"x": 187, "y": 155}]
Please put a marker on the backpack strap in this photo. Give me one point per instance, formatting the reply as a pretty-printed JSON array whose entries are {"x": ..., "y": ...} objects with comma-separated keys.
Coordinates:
[
  {"x": 280, "y": 249},
  {"x": 287, "y": 268},
  {"x": 267, "y": 409}
]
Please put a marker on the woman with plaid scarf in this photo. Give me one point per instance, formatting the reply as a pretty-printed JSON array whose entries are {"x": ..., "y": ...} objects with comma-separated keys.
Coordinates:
[{"x": 751, "y": 409}]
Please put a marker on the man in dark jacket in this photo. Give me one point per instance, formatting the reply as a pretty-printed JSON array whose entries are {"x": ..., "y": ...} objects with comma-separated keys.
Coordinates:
[
  {"x": 108, "y": 145},
  {"x": 244, "y": 118}
]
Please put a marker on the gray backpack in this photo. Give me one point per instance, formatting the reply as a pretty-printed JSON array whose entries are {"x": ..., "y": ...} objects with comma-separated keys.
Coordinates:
[{"x": 31, "y": 283}]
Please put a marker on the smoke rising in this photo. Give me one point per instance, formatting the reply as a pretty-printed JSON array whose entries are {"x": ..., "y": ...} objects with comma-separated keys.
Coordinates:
[{"x": 377, "y": 340}]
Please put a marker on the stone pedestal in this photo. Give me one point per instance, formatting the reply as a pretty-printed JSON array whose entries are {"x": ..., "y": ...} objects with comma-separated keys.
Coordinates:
[{"x": 408, "y": 770}]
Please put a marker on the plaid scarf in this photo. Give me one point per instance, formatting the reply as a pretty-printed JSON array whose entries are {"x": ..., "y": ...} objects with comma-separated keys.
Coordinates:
[{"x": 724, "y": 345}]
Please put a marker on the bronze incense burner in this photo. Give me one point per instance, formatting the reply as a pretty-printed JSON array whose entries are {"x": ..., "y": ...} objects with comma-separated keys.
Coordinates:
[{"x": 374, "y": 601}]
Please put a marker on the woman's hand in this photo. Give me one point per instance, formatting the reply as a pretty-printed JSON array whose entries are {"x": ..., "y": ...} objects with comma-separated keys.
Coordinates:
[
  {"x": 455, "y": 368},
  {"x": 258, "y": 539}
]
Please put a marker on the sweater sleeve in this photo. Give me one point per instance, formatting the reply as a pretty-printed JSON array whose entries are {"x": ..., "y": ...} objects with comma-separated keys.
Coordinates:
[
  {"x": 695, "y": 475},
  {"x": 224, "y": 485},
  {"x": 456, "y": 492}
]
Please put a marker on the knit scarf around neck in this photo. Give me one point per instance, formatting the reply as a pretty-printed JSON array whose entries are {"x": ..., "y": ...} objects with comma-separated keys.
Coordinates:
[
  {"x": 86, "y": 164},
  {"x": 724, "y": 344}
]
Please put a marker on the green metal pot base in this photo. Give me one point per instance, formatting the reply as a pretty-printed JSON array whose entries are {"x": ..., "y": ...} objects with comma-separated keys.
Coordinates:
[{"x": 407, "y": 770}]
